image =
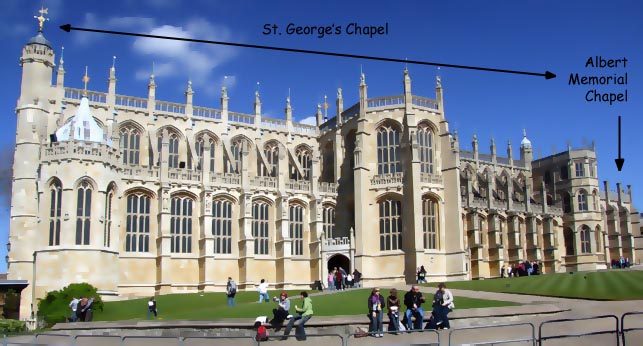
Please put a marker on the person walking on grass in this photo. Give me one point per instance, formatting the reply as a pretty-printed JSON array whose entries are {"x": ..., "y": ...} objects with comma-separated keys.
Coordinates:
[
  {"x": 303, "y": 315},
  {"x": 231, "y": 291},
  {"x": 331, "y": 281},
  {"x": 357, "y": 277},
  {"x": 338, "y": 279},
  {"x": 393, "y": 304},
  {"x": 263, "y": 291},
  {"x": 151, "y": 308},
  {"x": 74, "y": 307},
  {"x": 376, "y": 304}
]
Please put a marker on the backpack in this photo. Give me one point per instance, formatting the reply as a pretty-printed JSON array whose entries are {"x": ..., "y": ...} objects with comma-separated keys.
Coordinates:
[
  {"x": 262, "y": 334},
  {"x": 233, "y": 288}
]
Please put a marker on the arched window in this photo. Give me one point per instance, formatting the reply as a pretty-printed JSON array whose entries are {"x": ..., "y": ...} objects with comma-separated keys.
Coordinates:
[
  {"x": 582, "y": 201},
  {"x": 390, "y": 215},
  {"x": 173, "y": 149},
  {"x": 597, "y": 239},
  {"x": 107, "y": 226},
  {"x": 425, "y": 142},
  {"x": 233, "y": 164},
  {"x": 430, "y": 223},
  {"x": 585, "y": 243},
  {"x": 388, "y": 150},
  {"x": 596, "y": 200},
  {"x": 260, "y": 227},
  {"x": 329, "y": 221},
  {"x": 200, "y": 149},
  {"x": 83, "y": 213},
  {"x": 222, "y": 226},
  {"x": 137, "y": 226},
  {"x": 296, "y": 225},
  {"x": 181, "y": 224},
  {"x": 55, "y": 200},
  {"x": 130, "y": 143},
  {"x": 304, "y": 157},
  {"x": 173, "y": 152},
  {"x": 271, "y": 151}
]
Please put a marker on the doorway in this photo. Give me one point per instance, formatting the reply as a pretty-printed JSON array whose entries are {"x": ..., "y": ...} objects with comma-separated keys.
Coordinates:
[{"x": 338, "y": 261}]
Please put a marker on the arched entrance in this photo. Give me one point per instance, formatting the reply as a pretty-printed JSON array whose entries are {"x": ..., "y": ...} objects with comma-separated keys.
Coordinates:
[{"x": 339, "y": 260}]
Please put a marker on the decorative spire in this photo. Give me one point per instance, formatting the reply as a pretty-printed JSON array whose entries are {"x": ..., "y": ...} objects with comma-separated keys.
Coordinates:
[
  {"x": 85, "y": 80},
  {"x": 325, "y": 107},
  {"x": 62, "y": 60},
  {"x": 362, "y": 80},
  {"x": 189, "y": 90},
  {"x": 42, "y": 19},
  {"x": 224, "y": 91},
  {"x": 257, "y": 100},
  {"x": 114, "y": 62}
]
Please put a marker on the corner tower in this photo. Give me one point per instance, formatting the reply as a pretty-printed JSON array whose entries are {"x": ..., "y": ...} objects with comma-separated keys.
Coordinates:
[{"x": 32, "y": 111}]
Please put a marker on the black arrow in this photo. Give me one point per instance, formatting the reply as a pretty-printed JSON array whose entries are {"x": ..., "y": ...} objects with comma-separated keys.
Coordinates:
[
  {"x": 547, "y": 74},
  {"x": 620, "y": 161}
]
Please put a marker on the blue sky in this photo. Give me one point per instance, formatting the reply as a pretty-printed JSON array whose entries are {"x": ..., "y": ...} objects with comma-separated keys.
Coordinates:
[{"x": 532, "y": 36}]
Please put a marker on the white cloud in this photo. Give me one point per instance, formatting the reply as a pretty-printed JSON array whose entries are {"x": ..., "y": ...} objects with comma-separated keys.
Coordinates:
[
  {"x": 311, "y": 120},
  {"x": 172, "y": 58}
]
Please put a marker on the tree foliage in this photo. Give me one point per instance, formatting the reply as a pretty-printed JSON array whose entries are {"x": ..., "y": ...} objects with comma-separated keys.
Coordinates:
[{"x": 54, "y": 308}]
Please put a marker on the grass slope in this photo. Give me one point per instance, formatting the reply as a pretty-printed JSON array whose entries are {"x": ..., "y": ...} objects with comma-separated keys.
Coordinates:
[
  {"x": 603, "y": 285},
  {"x": 214, "y": 306}
]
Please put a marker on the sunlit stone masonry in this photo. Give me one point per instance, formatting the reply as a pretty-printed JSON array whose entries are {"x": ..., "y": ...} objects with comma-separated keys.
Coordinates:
[{"x": 139, "y": 196}]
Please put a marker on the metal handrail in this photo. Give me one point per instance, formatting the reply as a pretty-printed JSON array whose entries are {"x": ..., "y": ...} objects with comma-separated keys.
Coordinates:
[
  {"x": 542, "y": 338},
  {"x": 623, "y": 329},
  {"x": 532, "y": 339},
  {"x": 278, "y": 337},
  {"x": 431, "y": 331}
]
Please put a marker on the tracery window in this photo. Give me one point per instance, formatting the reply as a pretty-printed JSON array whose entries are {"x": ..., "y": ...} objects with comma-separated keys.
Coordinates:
[
  {"x": 181, "y": 210},
  {"x": 388, "y": 150},
  {"x": 425, "y": 142},
  {"x": 137, "y": 223},
  {"x": 329, "y": 221},
  {"x": 296, "y": 225},
  {"x": 430, "y": 223},
  {"x": 222, "y": 226},
  {"x": 130, "y": 143},
  {"x": 83, "y": 213},
  {"x": 260, "y": 227},
  {"x": 107, "y": 226},
  {"x": 390, "y": 217},
  {"x": 55, "y": 200}
]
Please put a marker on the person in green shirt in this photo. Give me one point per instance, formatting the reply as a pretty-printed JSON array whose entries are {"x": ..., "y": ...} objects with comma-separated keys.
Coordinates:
[{"x": 303, "y": 315}]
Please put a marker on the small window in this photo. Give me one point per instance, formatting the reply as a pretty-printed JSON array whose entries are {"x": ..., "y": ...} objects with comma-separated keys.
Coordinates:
[
  {"x": 580, "y": 169},
  {"x": 547, "y": 177}
]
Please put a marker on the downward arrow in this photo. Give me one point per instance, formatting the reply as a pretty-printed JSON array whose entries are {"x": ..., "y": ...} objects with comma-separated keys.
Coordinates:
[{"x": 619, "y": 161}]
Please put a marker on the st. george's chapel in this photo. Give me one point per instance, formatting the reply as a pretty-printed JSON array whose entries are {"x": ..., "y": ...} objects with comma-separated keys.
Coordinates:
[{"x": 139, "y": 196}]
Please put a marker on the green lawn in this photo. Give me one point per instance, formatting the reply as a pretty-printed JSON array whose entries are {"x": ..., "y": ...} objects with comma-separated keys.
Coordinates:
[
  {"x": 603, "y": 285},
  {"x": 214, "y": 306}
]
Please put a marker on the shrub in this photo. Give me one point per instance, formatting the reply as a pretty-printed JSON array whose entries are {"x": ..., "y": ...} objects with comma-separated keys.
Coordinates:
[
  {"x": 54, "y": 308},
  {"x": 12, "y": 326}
]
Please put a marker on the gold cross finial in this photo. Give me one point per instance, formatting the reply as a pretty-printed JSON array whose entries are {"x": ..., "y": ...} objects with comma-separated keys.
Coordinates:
[
  {"x": 42, "y": 19},
  {"x": 85, "y": 80}
]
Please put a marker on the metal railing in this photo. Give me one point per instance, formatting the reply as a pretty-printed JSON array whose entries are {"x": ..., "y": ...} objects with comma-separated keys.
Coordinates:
[
  {"x": 620, "y": 332},
  {"x": 624, "y": 330},
  {"x": 615, "y": 331},
  {"x": 329, "y": 335},
  {"x": 399, "y": 342},
  {"x": 532, "y": 339}
]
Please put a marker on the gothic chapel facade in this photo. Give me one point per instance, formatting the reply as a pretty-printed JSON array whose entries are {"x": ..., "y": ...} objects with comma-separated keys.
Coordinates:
[{"x": 139, "y": 196}]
